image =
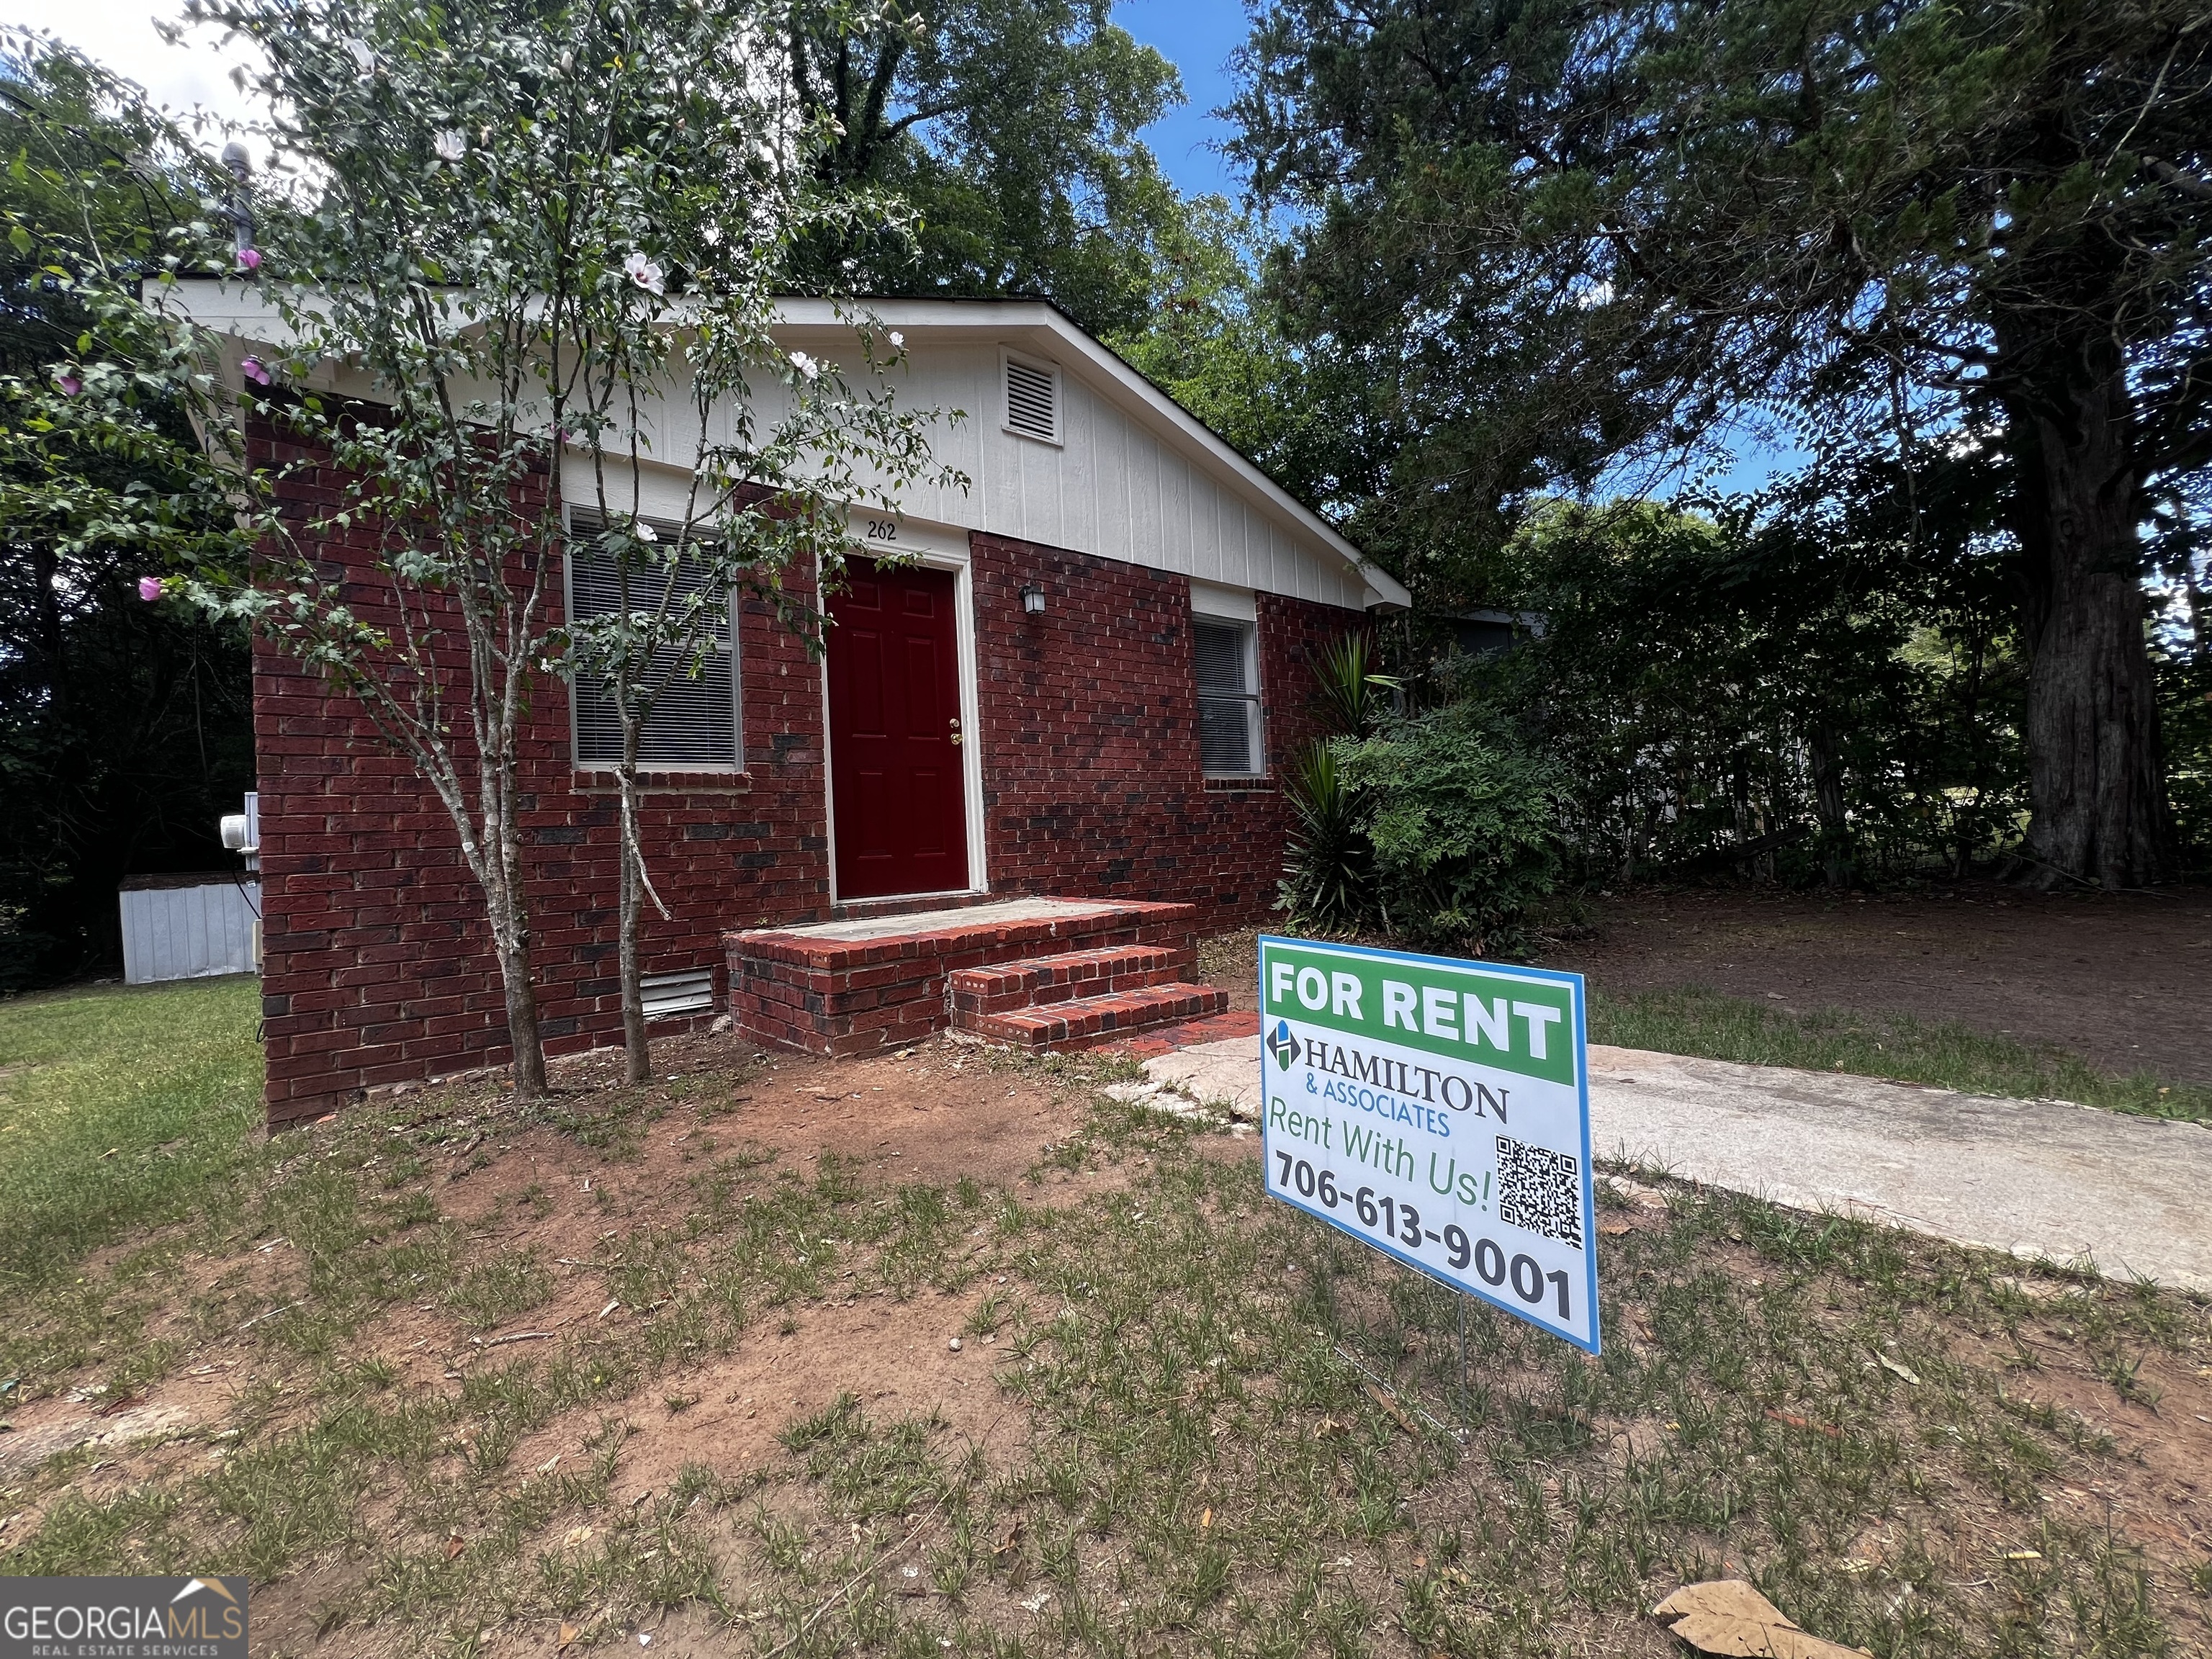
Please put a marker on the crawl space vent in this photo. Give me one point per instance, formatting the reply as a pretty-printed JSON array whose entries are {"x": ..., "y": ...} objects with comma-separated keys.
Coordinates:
[
  {"x": 667, "y": 995},
  {"x": 1032, "y": 400}
]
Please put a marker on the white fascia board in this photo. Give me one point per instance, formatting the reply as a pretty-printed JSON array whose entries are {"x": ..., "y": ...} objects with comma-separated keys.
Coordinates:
[{"x": 1043, "y": 328}]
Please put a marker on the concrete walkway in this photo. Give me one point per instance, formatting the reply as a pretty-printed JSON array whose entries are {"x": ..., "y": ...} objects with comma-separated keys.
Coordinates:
[{"x": 2132, "y": 1195}]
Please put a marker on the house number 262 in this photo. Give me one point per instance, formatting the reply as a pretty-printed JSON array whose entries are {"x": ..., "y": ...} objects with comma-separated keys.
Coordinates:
[{"x": 883, "y": 530}]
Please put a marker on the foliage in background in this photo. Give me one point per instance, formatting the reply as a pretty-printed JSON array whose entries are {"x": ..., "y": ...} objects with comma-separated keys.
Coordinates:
[
  {"x": 1569, "y": 236},
  {"x": 1009, "y": 129},
  {"x": 1793, "y": 687},
  {"x": 125, "y": 728},
  {"x": 1215, "y": 340}
]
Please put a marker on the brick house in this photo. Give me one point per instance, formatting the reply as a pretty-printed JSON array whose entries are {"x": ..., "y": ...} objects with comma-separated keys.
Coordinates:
[{"x": 1036, "y": 761}]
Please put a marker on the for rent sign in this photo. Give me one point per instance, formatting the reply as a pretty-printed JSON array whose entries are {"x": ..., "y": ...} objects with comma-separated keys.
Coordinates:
[{"x": 1438, "y": 1111}]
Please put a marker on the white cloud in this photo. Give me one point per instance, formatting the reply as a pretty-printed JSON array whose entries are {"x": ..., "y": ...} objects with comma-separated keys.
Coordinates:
[{"x": 120, "y": 35}]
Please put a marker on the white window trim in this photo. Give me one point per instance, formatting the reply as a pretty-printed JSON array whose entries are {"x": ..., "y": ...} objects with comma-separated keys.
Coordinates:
[
  {"x": 569, "y": 513},
  {"x": 1256, "y": 725},
  {"x": 1058, "y": 441}
]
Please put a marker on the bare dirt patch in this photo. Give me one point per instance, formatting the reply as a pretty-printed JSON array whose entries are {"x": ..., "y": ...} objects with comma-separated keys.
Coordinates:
[
  {"x": 2121, "y": 979},
  {"x": 895, "y": 1357}
]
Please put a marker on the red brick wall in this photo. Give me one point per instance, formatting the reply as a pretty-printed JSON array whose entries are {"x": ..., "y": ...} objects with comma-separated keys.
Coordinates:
[
  {"x": 377, "y": 962},
  {"x": 1091, "y": 783}
]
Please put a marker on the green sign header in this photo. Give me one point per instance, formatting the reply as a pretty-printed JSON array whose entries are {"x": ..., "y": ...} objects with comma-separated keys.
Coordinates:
[{"x": 1465, "y": 1014}]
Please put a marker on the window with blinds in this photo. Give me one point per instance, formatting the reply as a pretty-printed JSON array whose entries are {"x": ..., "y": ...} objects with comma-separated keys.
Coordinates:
[
  {"x": 1228, "y": 700},
  {"x": 1032, "y": 399},
  {"x": 693, "y": 726}
]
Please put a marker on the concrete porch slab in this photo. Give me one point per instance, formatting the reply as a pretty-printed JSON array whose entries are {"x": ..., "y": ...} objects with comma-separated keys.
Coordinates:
[{"x": 997, "y": 913}]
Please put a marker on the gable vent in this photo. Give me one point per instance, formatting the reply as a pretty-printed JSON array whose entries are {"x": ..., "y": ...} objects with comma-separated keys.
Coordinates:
[{"x": 1032, "y": 400}]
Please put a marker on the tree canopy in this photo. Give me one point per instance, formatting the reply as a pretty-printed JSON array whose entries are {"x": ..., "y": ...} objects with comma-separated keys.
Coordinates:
[
  {"x": 1568, "y": 234},
  {"x": 1010, "y": 128}
]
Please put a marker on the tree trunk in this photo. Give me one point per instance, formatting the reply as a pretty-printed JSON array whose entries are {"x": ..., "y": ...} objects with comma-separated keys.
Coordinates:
[
  {"x": 514, "y": 953},
  {"x": 1828, "y": 805},
  {"x": 2096, "y": 776},
  {"x": 637, "y": 1053},
  {"x": 509, "y": 910}
]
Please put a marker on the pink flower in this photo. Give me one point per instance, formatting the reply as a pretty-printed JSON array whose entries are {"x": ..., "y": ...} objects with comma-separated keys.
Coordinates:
[
  {"x": 69, "y": 385},
  {"x": 149, "y": 588},
  {"x": 249, "y": 258},
  {"x": 253, "y": 371}
]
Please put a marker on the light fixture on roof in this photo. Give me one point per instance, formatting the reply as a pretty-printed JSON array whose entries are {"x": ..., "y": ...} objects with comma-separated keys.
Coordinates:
[{"x": 1033, "y": 599}]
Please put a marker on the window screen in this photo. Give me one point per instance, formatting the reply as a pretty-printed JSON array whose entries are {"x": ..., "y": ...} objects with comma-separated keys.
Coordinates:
[
  {"x": 693, "y": 726},
  {"x": 1228, "y": 702}
]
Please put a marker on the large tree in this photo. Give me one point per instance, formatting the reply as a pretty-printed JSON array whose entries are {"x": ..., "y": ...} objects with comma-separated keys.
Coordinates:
[
  {"x": 1009, "y": 127},
  {"x": 1572, "y": 231},
  {"x": 124, "y": 729}
]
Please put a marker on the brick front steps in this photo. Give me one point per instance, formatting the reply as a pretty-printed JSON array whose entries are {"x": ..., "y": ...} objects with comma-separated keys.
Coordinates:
[
  {"x": 1080, "y": 1022},
  {"x": 1054, "y": 972},
  {"x": 1039, "y": 980}
]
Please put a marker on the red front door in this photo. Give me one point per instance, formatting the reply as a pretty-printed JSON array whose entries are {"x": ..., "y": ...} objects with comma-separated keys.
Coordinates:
[{"x": 894, "y": 773}]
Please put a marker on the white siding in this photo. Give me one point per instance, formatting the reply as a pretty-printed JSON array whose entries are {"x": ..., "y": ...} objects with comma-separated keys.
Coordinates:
[
  {"x": 1118, "y": 486},
  {"x": 189, "y": 932}
]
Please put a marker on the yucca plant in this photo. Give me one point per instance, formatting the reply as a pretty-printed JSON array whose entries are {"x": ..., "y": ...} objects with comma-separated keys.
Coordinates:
[
  {"x": 1350, "y": 698},
  {"x": 1327, "y": 876}
]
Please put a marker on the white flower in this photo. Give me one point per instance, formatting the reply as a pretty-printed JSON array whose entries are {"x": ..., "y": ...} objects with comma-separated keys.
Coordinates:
[
  {"x": 712, "y": 235},
  {"x": 898, "y": 341},
  {"x": 805, "y": 364},
  {"x": 645, "y": 274},
  {"x": 363, "y": 59},
  {"x": 644, "y": 531},
  {"x": 767, "y": 155},
  {"x": 450, "y": 144}
]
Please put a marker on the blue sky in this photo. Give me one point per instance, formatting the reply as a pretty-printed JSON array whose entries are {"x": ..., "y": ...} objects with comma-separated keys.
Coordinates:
[{"x": 1196, "y": 36}]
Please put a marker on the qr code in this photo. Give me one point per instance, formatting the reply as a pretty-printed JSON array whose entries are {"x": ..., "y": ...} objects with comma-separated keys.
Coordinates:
[{"x": 1540, "y": 1190}]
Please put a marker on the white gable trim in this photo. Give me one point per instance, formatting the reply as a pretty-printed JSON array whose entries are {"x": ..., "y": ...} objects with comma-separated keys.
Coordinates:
[{"x": 1031, "y": 329}]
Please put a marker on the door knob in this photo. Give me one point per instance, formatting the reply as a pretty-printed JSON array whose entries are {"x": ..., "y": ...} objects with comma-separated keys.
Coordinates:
[{"x": 955, "y": 724}]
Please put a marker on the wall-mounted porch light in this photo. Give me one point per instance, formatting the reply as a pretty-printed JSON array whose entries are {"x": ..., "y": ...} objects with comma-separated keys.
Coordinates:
[{"x": 1033, "y": 600}]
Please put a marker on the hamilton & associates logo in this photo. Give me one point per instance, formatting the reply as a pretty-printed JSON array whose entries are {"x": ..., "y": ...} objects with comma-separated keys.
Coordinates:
[{"x": 1283, "y": 1045}]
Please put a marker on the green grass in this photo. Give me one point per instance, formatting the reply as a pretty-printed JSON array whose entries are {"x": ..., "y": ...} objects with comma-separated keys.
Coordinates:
[
  {"x": 120, "y": 1109},
  {"x": 1217, "y": 1427},
  {"x": 1944, "y": 1052}
]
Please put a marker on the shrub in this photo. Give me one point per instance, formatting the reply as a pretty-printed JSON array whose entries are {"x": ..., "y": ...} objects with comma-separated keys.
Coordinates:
[
  {"x": 1350, "y": 697},
  {"x": 1462, "y": 820},
  {"x": 1440, "y": 827}
]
